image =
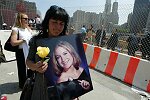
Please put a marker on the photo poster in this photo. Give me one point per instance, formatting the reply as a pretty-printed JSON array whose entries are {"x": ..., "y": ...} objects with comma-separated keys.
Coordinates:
[{"x": 67, "y": 70}]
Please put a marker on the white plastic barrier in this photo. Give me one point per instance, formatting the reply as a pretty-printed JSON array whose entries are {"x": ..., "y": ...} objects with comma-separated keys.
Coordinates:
[{"x": 129, "y": 69}]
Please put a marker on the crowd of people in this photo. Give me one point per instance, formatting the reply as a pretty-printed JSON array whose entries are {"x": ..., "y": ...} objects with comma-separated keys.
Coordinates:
[
  {"x": 99, "y": 37},
  {"x": 135, "y": 42},
  {"x": 138, "y": 43},
  {"x": 33, "y": 23}
]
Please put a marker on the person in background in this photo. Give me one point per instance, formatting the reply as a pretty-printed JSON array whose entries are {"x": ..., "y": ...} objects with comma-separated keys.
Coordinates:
[
  {"x": 38, "y": 23},
  {"x": 83, "y": 32},
  {"x": 20, "y": 35},
  {"x": 67, "y": 66},
  {"x": 100, "y": 37},
  {"x": 113, "y": 40},
  {"x": 30, "y": 23},
  {"x": 145, "y": 46},
  {"x": 70, "y": 30},
  {"x": 4, "y": 26},
  {"x": 90, "y": 36},
  {"x": 132, "y": 44},
  {"x": 54, "y": 24}
]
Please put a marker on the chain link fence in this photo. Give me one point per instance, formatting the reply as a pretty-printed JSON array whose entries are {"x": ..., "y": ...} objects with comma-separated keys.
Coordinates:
[
  {"x": 131, "y": 44},
  {"x": 115, "y": 36}
]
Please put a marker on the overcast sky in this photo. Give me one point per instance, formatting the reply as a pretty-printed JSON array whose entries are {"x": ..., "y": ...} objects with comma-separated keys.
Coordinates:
[{"x": 125, "y": 6}]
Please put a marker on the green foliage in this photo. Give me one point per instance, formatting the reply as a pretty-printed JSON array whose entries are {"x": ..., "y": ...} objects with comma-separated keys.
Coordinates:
[{"x": 123, "y": 30}]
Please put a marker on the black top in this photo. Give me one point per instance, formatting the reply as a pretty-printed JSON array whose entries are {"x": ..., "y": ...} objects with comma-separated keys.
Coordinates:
[{"x": 72, "y": 88}]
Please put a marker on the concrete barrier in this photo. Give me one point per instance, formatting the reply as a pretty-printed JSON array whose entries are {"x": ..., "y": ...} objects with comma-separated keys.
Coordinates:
[{"x": 129, "y": 69}]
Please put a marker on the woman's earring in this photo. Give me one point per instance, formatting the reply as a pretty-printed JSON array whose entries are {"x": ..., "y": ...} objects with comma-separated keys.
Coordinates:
[{"x": 47, "y": 30}]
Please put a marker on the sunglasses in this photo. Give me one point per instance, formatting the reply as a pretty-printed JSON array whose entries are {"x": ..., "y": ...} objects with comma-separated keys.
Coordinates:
[{"x": 25, "y": 18}]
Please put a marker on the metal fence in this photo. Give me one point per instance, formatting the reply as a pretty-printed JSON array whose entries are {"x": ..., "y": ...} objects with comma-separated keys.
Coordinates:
[
  {"x": 120, "y": 28},
  {"x": 128, "y": 34},
  {"x": 133, "y": 45}
]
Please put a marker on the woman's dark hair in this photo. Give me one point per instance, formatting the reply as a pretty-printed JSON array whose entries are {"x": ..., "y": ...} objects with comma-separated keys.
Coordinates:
[{"x": 56, "y": 13}]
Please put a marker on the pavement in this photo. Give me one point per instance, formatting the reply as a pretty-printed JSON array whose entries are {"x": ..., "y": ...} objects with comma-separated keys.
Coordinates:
[
  {"x": 9, "y": 81},
  {"x": 105, "y": 88}
]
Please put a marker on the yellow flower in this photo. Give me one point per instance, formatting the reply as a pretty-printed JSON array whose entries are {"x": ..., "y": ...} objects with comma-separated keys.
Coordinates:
[{"x": 42, "y": 51}]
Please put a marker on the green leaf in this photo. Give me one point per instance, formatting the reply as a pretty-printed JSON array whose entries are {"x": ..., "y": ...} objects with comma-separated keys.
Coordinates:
[{"x": 46, "y": 60}]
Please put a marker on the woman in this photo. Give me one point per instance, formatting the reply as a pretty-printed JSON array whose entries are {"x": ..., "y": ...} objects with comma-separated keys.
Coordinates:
[
  {"x": 20, "y": 35},
  {"x": 54, "y": 24},
  {"x": 67, "y": 66}
]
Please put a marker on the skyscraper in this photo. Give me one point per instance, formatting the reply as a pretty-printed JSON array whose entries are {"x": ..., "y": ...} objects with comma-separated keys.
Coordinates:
[
  {"x": 107, "y": 9},
  {"x": 140, "y": 15},
  {"x": 114, "y": 17},
  {"x": 106, "y": 13}
]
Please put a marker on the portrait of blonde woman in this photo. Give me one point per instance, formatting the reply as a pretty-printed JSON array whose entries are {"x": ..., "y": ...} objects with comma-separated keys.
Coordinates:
[{"x": 67, "y": 66}]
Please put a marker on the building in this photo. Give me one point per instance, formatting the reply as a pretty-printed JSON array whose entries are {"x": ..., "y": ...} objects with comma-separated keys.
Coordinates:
[
  {"x": 81, "y": 18},
  {"x": 106, "y": 19},
  {"x": 9, "y": 9},
  {"x": 129, "y": 20},
  {"x": 140, "y": 15},
  {"x": 107, "y": 9},
  {"x": 106, "y": 13},
  {"x": 114, "y": 17}
]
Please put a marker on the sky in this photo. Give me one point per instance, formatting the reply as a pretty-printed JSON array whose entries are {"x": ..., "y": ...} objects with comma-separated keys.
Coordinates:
[{"x": 124, "y": 6}]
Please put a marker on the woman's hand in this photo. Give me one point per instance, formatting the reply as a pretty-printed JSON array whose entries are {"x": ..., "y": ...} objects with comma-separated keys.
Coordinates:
[
  {"x": 85, "y": 84},
  {"x": 41, "y": 67}
]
